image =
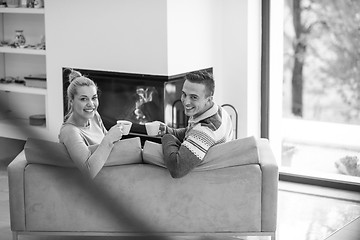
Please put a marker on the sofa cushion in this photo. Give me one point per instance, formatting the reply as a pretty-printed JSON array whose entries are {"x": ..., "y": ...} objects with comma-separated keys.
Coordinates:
[
  {"x": 237, "y": 152},
  {"x": 126, "y": 151}
]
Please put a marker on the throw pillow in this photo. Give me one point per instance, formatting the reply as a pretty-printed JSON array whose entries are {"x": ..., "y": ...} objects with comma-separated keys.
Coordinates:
[
  {"x": 126, "y": 151},
  {"x": 237, "y": 152}
]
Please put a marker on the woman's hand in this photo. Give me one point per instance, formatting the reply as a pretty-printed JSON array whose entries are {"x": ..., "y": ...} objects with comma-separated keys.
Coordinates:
[{"x": 115, "y": 133}]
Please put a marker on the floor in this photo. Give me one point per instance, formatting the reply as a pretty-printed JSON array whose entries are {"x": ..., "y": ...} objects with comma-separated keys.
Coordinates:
[{"x": 304, "y": 212}]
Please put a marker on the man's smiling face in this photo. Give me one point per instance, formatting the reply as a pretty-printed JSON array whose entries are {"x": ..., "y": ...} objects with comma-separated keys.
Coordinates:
[{"x": 195, "y": 99}]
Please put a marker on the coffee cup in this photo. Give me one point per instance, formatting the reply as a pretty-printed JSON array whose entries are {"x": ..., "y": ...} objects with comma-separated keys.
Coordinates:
[
  {"x": 152, "y": 128},
  {"x": 126, "y": 126}
]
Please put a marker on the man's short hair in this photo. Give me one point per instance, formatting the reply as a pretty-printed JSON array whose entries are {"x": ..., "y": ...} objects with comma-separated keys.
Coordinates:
[{"x": 202, "y": 77}]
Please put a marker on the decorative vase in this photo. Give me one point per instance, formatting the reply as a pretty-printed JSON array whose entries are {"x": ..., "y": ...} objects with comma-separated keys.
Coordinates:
[
  {"x": 38, "y": 3},
  {"x": 19, "y": 38}
]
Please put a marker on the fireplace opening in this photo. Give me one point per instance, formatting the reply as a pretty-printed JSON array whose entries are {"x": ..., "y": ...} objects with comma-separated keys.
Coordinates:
[{"x": 139, "y": 98}]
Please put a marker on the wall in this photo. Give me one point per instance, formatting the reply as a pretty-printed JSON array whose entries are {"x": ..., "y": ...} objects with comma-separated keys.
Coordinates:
[
  {"x": 192, "y": 34},
  {"x": 241, "y": 62},
  {"x": 163, "y": 37},
  {"x": 124, "y": 36},
  {"x": 224, "y": 35}
]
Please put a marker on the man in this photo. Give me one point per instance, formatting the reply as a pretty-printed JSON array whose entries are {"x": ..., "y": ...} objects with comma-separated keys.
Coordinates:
[{"x": 209, "y": 124}]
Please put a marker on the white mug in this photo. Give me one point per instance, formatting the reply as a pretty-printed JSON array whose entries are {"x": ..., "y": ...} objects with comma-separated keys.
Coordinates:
[
  {"x": 152, "y": 128},
  {"x": 126, "y": 126}
]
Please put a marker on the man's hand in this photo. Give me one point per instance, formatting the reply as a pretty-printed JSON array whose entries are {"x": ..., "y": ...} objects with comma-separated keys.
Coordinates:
[{"x": 162, "y": 129}]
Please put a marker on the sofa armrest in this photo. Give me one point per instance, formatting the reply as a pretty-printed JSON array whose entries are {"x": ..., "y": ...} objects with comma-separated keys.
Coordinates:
[
  {"x": 270, "y": 176},
  {"x": 16, "y": 192}
]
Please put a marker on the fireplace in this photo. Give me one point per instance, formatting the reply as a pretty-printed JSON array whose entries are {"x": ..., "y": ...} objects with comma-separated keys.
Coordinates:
[{"x": 139, "y": 98}]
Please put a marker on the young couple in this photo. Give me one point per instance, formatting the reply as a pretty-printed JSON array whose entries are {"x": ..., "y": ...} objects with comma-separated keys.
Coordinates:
[{"x": 183, "y": 148}]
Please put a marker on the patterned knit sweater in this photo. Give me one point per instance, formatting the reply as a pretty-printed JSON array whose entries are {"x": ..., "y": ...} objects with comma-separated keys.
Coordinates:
[{"x": 185, "y": 148}]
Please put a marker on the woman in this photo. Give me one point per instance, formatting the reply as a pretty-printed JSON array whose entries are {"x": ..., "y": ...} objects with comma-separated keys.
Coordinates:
[{"x": 88, "y": 142}]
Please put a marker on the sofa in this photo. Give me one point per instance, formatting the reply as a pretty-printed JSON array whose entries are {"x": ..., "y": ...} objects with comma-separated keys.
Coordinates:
[{"x": 232, "y": 193}]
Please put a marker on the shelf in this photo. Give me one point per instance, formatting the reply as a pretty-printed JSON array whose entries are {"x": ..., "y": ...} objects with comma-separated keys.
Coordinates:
[
  {"x": 143, "y": 135},
  {"x": 21, "y": 129},
  {"x": 22, "y": 10},
  {"x": 22, "y": 50},
  {"x": 24, "y": 63},
  {"x": 15, "y": 87}
]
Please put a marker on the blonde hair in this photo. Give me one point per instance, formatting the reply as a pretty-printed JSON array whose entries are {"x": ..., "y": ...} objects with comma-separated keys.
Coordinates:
[{"x": 76, "y": 79}]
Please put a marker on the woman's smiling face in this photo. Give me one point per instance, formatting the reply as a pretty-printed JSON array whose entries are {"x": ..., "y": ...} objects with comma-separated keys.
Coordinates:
[{"x": 85, "y": 103}]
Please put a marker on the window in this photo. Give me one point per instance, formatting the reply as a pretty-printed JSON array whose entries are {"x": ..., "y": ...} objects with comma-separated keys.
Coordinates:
[{"x": 314, "y": 88}]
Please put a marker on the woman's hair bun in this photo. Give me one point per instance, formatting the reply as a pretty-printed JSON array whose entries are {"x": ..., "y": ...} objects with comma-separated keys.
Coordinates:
[{"x": 74, "y": 74}]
